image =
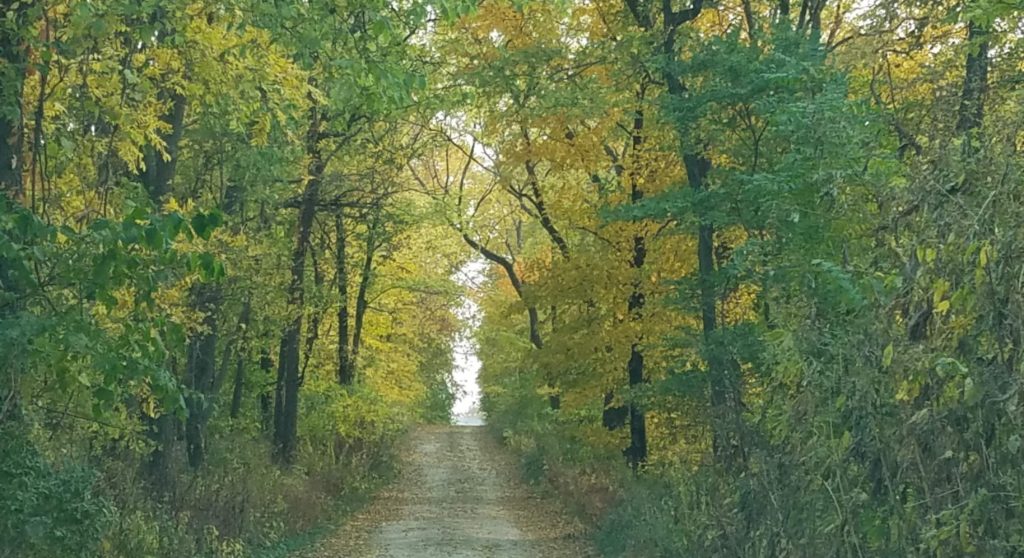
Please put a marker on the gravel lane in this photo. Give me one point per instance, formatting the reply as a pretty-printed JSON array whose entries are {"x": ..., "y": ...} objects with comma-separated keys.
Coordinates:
[{"x": 457, "y": 497}]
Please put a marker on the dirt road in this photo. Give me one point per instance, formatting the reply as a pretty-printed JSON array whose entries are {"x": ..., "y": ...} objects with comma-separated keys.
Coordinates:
[{"x": 457, "y": 498}]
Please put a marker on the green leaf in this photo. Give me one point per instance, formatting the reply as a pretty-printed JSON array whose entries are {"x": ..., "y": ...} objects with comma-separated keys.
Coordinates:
[
  {"x": 103, "y": 394},
  {"x": 203, "y": 224},
  {"x": 1013, "y": 444},
  {"x": 887, "y": 355},
  {"x": 972, "y": 393},
  {"x": 154, "y": 237}
]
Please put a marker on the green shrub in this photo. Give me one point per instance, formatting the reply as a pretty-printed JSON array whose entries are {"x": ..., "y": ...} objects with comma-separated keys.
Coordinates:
[{"x": 47, "y": 510}]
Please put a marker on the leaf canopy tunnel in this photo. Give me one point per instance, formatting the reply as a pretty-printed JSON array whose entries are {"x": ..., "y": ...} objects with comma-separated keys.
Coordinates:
[{"x": 749, "y": 262}]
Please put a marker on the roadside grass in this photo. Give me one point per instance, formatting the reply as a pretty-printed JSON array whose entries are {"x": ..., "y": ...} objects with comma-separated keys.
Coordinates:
[{"x": 342, "y": 509}]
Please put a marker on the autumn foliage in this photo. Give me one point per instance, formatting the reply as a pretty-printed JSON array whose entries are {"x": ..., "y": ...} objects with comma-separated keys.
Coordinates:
[{"x": 752, "y": 284}]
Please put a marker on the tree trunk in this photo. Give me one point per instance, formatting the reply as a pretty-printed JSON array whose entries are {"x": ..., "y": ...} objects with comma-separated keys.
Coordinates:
[
  {"x": 345, "y": 372},
  {"x": 613, "y": 417},
  {"x": 819, "y": 6},
  {"x": 537, "y": 198},
  {"x": 159, "y": 171},
  {"x": 286, "y": 406},
  {"x": 724, "y": 397},
  {"x": 810, "y": 16},
  {"x": 37, "y": 170},
  {"x": 364, "y": 285},
  {"x": 972, "y": 101},
  {"x": 748, "y": 15},
  {"x": 265, "y": 405},
  {"x": 636, "y": 454},
  {"x": 506, "y": 264},
  {"x": 156, "y": 179},
  {"x": 724, "y": 386},
  {"x": 278, "y": 416},
  {"x": 13, "y": 60},
  {"x": 517, "y": 284},
  {"x": 238, "y": 385},
  {"x": 555, "y": 398},
  {"x": 313, "y": 332},
  {"x": 160, "y": 431},
  {"x": 201, "y": 374}
]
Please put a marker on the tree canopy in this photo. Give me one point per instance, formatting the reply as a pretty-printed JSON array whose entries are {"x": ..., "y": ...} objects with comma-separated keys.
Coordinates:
[{"x": 752, "y": 280}]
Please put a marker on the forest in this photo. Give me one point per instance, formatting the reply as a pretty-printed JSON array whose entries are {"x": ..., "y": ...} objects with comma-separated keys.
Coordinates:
[{"x": 752, "y": 270}]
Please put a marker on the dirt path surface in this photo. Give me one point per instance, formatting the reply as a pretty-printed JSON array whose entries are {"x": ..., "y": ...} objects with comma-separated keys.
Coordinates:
[{"x": 456, "y": 498}]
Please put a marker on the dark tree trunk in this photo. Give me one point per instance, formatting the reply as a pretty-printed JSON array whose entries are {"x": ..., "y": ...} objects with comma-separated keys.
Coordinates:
[
  {"x": 517, "y": 284},
  {"x": 365, "y": 277},
  {"x": 970, "y": 117},
  {"x": 724, "y": 386},
  {"x": 286, "y": 406},
  {"x": 535, "y": 338},
  {"x": 810, "y": 16},
  {"x": 156, "y": 179},
  {"x": 13, "y": 61},
  {"x": 636, "y": 454},
  {"x": 160, "y": 431},
  {"x": 972, "y": 101},
  {"x": 265, "y": 398},
  {"x": 537, "y": 199},
  {"x": 313, "y": 332},
  {"x": 37, "y": 170},
  {"x": 279, "y": 398},
  {"x": 555, "y": 398},
  {"x": 159, "y": 171},
  {"x": 345, "y": 372},
  {"x": 238, "y": 385},
  {"x": 201, "y": 374},
  {"x": 614, "y": 416},
  {"x": 724, "y": 397},
  {"x": 748, "y": 15},
  {"x": 819, "y": 6}
]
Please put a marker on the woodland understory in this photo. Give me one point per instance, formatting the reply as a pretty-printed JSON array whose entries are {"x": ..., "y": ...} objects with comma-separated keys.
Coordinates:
[{"x": 754, "y": 280}]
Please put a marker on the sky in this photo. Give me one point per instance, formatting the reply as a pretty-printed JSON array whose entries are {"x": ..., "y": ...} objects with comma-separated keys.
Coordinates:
[{"x": 467, "y": 366}]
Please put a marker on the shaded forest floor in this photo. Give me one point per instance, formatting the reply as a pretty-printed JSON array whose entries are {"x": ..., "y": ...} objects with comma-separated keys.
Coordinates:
[{"x": 457, "y": 496}]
